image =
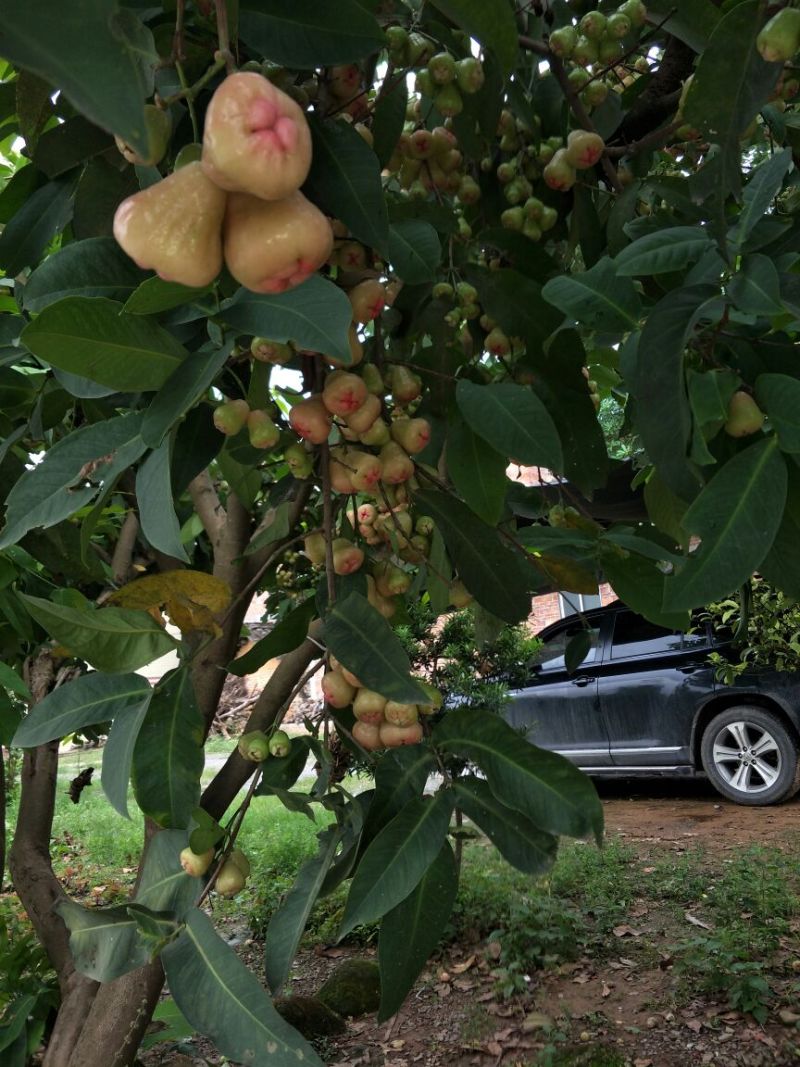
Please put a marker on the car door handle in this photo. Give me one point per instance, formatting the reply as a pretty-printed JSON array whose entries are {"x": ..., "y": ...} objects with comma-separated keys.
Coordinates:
[
  {"x": 582, "y": 681},
  {"x": 690, "y": 668}
]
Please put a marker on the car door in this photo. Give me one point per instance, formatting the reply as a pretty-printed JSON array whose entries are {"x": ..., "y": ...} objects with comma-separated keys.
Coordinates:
[
  {"x": 649, "y": 687},
  {"x": 558, "y": 711}
]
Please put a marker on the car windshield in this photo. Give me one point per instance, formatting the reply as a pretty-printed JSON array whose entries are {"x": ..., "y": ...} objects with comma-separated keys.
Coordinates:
[{"x": 550, "y": 657}]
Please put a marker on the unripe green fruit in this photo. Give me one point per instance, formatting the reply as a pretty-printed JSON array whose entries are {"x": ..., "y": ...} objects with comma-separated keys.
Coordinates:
[
  {"x": 424, "y": 525},
  {"x": 298, "y": 460},
  {"x": 434, "y": 698},
  {"x": 635, "y": 10},
  {"x": 261, "y": 430},
  {"x": 230, "y": 880},
  {"x": 314, "y": 548},
  {"x": 420, "y": 49},
  {"x": 373, "y": 379},
  {"x": 405, "y": 385},
  {"x": 506, "y": 172},
  {"x": 779, "y": 40},
  {"x": 745, "y": 417},
  {"x": 533, "y": 208},
  {"x": 517, "y": 191},
  {"x": 448, "y": 101},
  {"x": 280, "y": 744},
  {"x": 443, "y": 291},
  {"x": 548, "y": 218},
  {"x": 159, "y": 127},
  {"x": 464, "y": 229},
  {"x": 460, "y": 597},
  {"x": 469, "y": 192},
  {"x": 266, "y": 351},
  {"x": 196, "y": 863},
  {"x": 545, "y": 154},
  {"x": 254, "y": 746},
  {"x": 230, "y": 417},
  {"x": 466, "y": 293},
  {"x": 562, "y": 41},
  {"x": 470, "y": 75},
  {"x": 578, "y": 77},
  {"x": 242, "y": 862},
  {"x": 376, "y": 436},
  {"x": 532, "y": 230},
  {"x": 190, "y": 153},
  {"x": 593, "y": 25},
  {"x": 618, "y": 25},
  {"x": 585, "y": 52},
  {"x": 595, "y": 93},
  {"x": 396, "y": 38},
  {"x": 610, "y": 51},
  {"x": 424, "y": 83},
  {"x": 442, "y": 68}
]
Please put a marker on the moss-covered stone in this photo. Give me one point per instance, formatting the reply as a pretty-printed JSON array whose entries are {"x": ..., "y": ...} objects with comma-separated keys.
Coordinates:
[
  {"x": 310, "y": 1016},
  {"x": 354, "y": 988}
]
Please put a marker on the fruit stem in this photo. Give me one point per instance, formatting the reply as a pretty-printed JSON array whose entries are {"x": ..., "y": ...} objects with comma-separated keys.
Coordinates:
[
  {"x": 327, "y": 523},
  {"x": 236, "y": 823},
  {"x": 193, "y": 90},
  {"x": 189, "y": 101},
  {"x": 223, "y": 37}
]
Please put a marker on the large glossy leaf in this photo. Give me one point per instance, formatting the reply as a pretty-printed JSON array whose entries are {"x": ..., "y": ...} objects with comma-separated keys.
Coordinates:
[
  {"x": 779, "y": 396},
  {"x": 513, "y": 420},
  {"x": 756, "y": 288},
  {"x": 160, "y": 525},
  {"x": 640, "y": 583},
  {"x": 491, "y": 24},
  {"x": 691, "y": 21},
  {"x": 288, "y": 922},
  {"x": 86, "y": 701},
  {"x": 305, "y": 33},
  {"x": 554, "y": 794},
  {"x": 118, "y": 757},
  {"x": 781, "y": 565},
  {"x": 663, "y": 416},
  {"x": 181, "y": 391},
  {"x": 345, "y": 181},
  {"x": 286, "y": 636},
  {"x": 497, "y": 577},
  {"x": 90, "y": 336},
  {"x": 664, "y": 250},
  {"x": 516, "y": 838},
  {"x": 516, "y": 303},
  {"x": 48, "y": 493},
  {"x": 361, "y": 639},
  {"x": 731, "y": 82},
  {"x": 397, "y": 859},
  {"x": 400, "y": 776},
  {"x": 27, "y": 235},
  {"x": 225, "y": 1001},
  {"x": 477, "y": 471},
  {"x": 99, "y": 53},
  {"x": 412, "y": 930},
  {"x": 414, "y": 250},
  {"x": 114, "y": 640},
  {"x": 736, "y": 517},
  {"x": 316, "y": 315},
  {"x": 94, "y": 267},
  {"x": 597, "y": 298},
  {"x": 764, "y": 183},
  {"x": 388, "y": 119},
  {"x": 168, "y": 755},
  {"x": 154, "y": 295}
]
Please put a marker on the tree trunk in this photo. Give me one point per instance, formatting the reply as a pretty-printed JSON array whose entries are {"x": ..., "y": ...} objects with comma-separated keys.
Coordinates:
[{"x": 3, "y": 802}]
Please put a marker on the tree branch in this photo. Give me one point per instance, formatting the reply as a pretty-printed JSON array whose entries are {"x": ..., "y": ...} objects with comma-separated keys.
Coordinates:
[
  {"x": 122, "y": 558},
  {"x": 207, "y": 505}
]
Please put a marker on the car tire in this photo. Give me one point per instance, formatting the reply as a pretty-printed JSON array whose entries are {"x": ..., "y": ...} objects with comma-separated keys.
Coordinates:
[{"x": 750, "y": 756}]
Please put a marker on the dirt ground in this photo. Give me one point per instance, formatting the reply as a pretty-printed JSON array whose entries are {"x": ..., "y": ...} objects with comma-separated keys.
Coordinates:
[{"x": 623, "y": 1012}]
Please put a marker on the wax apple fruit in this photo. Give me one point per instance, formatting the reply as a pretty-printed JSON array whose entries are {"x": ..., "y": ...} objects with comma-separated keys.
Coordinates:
[
  {"x": 311, "y": 420},
  {"x": 280, "y": 744},
  {"x": 367, "y": 300},
  {"x": 412, "y": 434},
  {"x": 196, "y": 863},
  {"x": 338, "y": 692},
  {"x": 230, "y": 880},
  {"x": 231, "y": 416},
  {"x": 368, "y": 735},
  {"x": 272, "y": 246},
  {"x": 261, "y": 430},
  {"x": 343, "y": 393},
  {"x": 347, "y": 557},
  {"x": 256, "y": 139},
  {"x": 559, "y": 173},
  {"x": 158, "y": 125},
  {"x": 393, "y": 736},
  {"x": 584, "y": 148},
  {"x": 368, "y": 706},
  {"x": 745, "y": 417},
  {"x": 174, "y": 227},
  {"x": 254, "y": 746}
]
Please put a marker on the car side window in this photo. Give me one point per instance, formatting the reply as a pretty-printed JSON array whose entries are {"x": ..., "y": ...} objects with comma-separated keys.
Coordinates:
[
  {"x": 635, "y": 637},
  {"x": 550, "y": 656}
]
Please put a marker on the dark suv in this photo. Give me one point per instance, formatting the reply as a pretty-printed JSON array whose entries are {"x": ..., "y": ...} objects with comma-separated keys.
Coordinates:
[{"x": 645, "y": 702}]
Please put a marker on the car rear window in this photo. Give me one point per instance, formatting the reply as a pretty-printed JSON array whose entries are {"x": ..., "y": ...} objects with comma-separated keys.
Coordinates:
[
  {"x": 635, "y": 637},
  {"x": 550, "y": 656}
]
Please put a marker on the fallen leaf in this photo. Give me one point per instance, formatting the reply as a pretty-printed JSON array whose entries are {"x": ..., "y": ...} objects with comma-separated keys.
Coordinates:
[
  {"x": 788, "y": 1018},
  {"x": 536, "y": 1020},
  {"x": 626, "y": 931},
  {"x": 607, "y": 989},
  {"x": 459, "y": 968},
  {"x": 494, "y": 948},
  {"x": 696, "y": 922}
]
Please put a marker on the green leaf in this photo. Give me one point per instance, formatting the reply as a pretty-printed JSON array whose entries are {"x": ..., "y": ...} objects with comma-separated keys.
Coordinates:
[
  {"x": 91, "y": 337},
  {"x": 518, "y": 841},
  {"x": 640, "y": 584},
  {"x": 779, "y": 396},
  {"x": 491, "y": 24},
  {"x": 9, "y": 679},
  {"x": 513, "y": 420},
  {"x": 411, "y": 931},
  {"x": 160, "y": 525},
  {"x": 597, "y": 298},
  {"x": 414, "y": 250},
  {"x": 477, "y": 471},
  {"x": 765, "y": 181},
  {"x": 288, "y": 922},
  {"x": 755, "y": 288},
  {"x": 555, "y": 795},
  {"x": 48, "y": 493},
  {"x": 86, "y": 701},
  {"x": 69, "y": 144},
  {"x": 345, "y": 181},
  {"x": 99, "y": 54},
  {"x": 94, "y": 267},
  {"x": 315, "y": 315},
  {"x": 274, "y": 525},
  {"x": 224, "y": 1000},
  {"x": 29, "y": 232},
  {"x": 168, "y": 757},
  {"x": 305, "y": 33},
  {"x": 154, "y": 295},
  {"x": 691, "y": 21},
  {"x": 114, "y": 640},
  {"x": 576, "y": 651},
  {"x": 516, "y": 303},
  {"x": 286, "y": 636},
  {"x": 664, "y": 250},
  {"x": 497, "y": 577},
  {"x": 388, "y": 119},
  {"x": 663, "y": 416},
  {"x": 439, "y": 574},
  {"x": 101, "y": 189},
  {"x": 397, "y": 858},
  {"x": 731, "y": 83},
  {"x": 187, "y": 384},
  {"x": 361, "y": 639},
  {"x": 709, "y": 395},
  {"x": 118, "y": 757},
  {"x": 401, "y": 775},
  {"x": 736, "y": 516}
]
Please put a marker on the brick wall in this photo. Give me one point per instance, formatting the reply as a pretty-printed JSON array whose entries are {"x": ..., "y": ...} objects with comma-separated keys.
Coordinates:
[{"x": 547, "y": 608}]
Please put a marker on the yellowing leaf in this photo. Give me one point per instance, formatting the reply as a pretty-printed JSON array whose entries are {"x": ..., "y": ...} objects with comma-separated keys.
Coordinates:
[
  {"x": 568, "y": 574},
  {"x": 193, "y": 600}
]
